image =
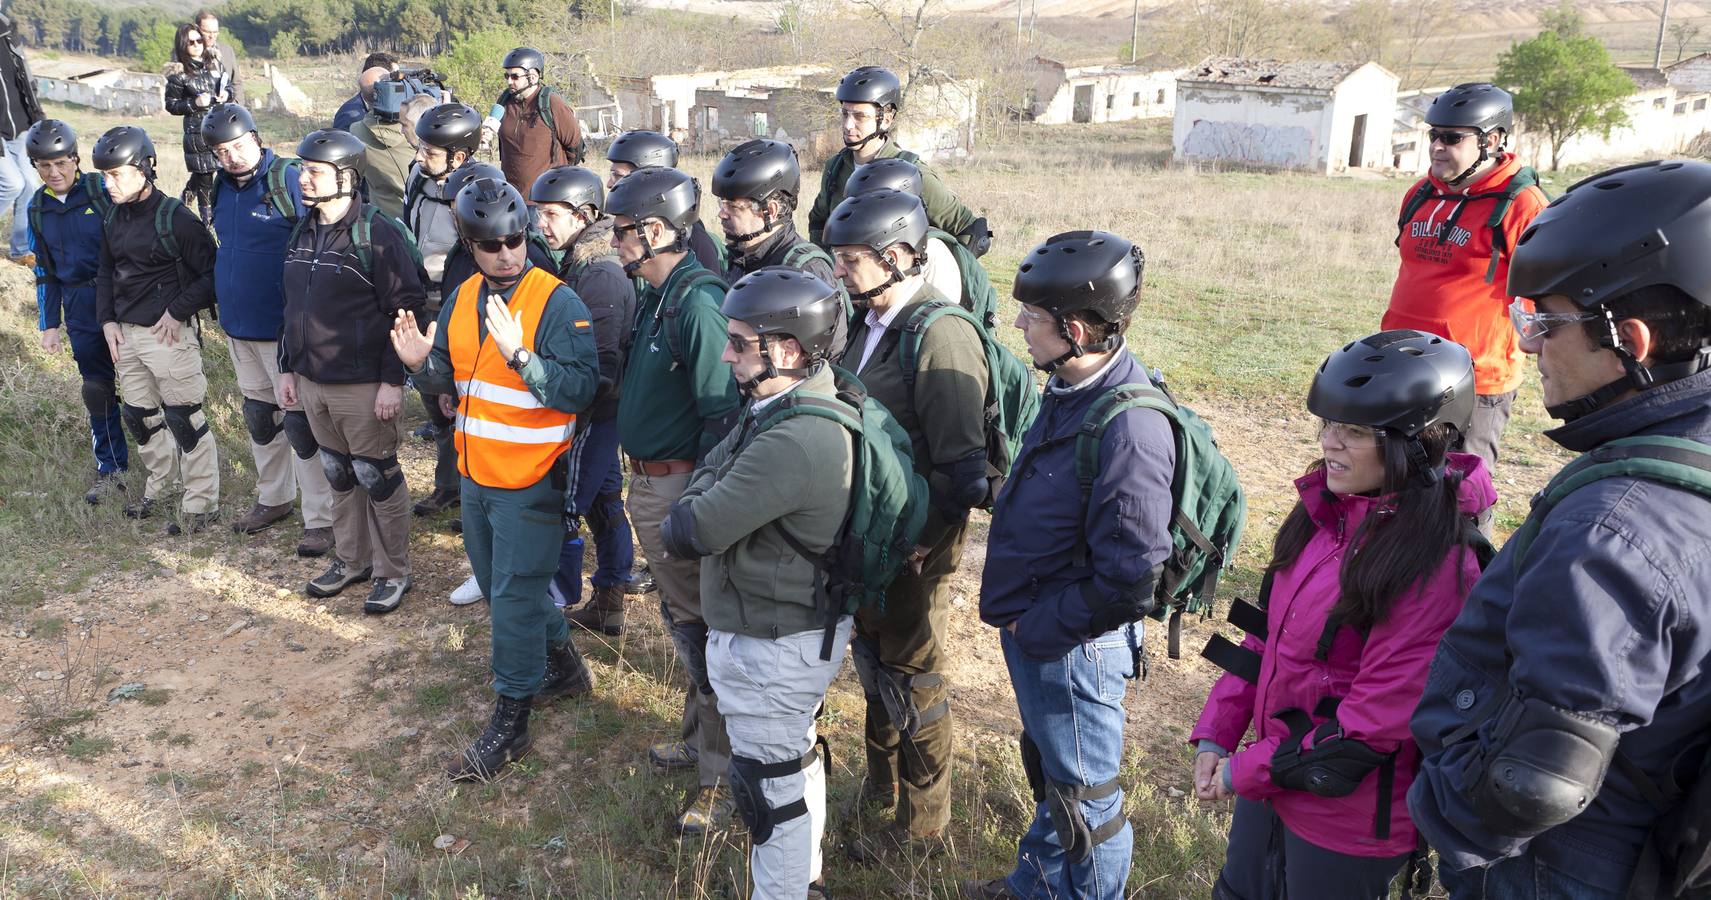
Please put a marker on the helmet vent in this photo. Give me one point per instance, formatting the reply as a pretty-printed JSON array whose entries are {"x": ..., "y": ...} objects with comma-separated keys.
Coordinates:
[
  {"x": 1411, "y": 351},
  {"x": 1358, "y": 381},
  {"x": 1608, "y": 185},
  {"x": 1026, "y": 267},
  {"x": 1373, "y": 359},
  {"x": 1669, "y": 166}
]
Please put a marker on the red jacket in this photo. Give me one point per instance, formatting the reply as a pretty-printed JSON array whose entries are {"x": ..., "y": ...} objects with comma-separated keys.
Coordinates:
[
  {"x": 1379, "y": 679},
  {"x": 1441, "y": 288}
]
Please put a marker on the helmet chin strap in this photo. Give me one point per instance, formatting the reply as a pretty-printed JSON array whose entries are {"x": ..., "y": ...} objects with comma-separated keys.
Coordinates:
[
  {"x": 1634, "y": 376},
  {"x": 1076, "y": 350},
  {"x": 1421, "y": 472},
  {"x": 649, "y": 252},
  {"x": 767, "y": 372},
  {"x": 768, "y": 223},
  {"x": 334, "y": 195},
  {"x": 896, "y": 277},
  {"x": 1484, "y": 154},
  {"x": 880, "y": 131}
]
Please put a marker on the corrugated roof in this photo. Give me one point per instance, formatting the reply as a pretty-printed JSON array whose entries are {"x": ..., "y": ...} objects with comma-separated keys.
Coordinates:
[
  {"x": 1645, "y": 77},
  {"x": 1308, "y": 74}
]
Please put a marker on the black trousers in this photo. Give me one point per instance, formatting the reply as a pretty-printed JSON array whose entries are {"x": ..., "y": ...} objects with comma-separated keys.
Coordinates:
[{"x": 1266, "y": 861}]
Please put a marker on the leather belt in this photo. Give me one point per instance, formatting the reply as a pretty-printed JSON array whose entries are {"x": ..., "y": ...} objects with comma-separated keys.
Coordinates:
[{"x": 657, "y": 467}]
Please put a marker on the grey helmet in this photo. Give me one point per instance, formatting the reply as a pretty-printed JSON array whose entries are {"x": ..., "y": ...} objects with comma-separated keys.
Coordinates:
[
  {"x": 1620, "y": 231},
  {"x": 226, "y": 123},
  {"x": 466, "y": 173},
  {"x": 877, "y": 220},
  {"x": 642, "y": 149},
  {"x": 573, "y": 186},
  {"x": 871, "y": 84},
  {"x": 759, "y": 170},
  {"x": 656, "y": 192},
  {"x": 891, "y": 172},
  {"x": 1082, "y": 271},
  {"x": 1476, "y": 104},
  {"x": 50, "y": 139},
  {"x": 781, "y": 301},
  {"x": 450, "y": 127},
  {"x": 124, "y": 145},
  {"x": 489, "y": 209},
  {"x": 525, "y": 58},
  {"x": 1400, "y": 381},
  {"x": 339, "y": 149}
]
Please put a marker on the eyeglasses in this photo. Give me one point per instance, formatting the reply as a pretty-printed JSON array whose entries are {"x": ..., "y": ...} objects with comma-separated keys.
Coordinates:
[
  {"x": 1532, "y": 325},
  {"x": 1448, "y": 138},
  {"x": 848, "y": 259},
  {"x": 1351, "y": 435},
  {"x": 505, "y": 243},
  {"x": 633, "y": 228},
  {"x": 739, "y": 344},
  {"x": 1036, "y": 317},
  {"x": 736, "y": 206},
  {"x": 860, "y": 118}
]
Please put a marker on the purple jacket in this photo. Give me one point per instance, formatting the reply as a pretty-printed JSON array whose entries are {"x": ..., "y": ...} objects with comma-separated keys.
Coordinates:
[{"x": 1379, "y": 678}]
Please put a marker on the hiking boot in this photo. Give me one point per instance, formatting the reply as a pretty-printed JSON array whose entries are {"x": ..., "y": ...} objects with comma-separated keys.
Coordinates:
[
  {"x": 260, "y": 517},
  {"x": 426, "y": 431},
  {"x": 817, "y": 891},
  {"x": 191, "y": 523},
  {"x": 673, "y": 756},
  {"x": 876, "y": 795},
  {"x": 386, "y": 595},
  {"x": 895, "y": 843},
  {"x": 105, "y": 483},
  {"x": 436, "y": 501},
  {"x": 989, "y": 889},
  {"x": 709, "y": 808},
  {"x": 604, "y": 612},
  {"x": 316, "y": 542},
  {"x": 641, "y": 582},
  {"x": 567, "y": 673},
  {"x": 467, "y": 593},
  {"x": 337, "y": 577},
  {"x": 27, "y": 260},
  {"x": 141, "y": 509},
  {"x": 505, "y": 740}
]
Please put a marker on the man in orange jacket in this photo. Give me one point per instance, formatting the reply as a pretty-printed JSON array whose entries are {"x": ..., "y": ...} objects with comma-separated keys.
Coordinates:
[{"x": 1456, "y": 232}]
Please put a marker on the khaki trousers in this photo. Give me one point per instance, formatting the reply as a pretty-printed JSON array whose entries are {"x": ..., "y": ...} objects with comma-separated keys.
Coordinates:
[
  {"x": 165, "y": 387},
  {"x": 366, "y": 531},
  {"x": 279, "y": 472}
]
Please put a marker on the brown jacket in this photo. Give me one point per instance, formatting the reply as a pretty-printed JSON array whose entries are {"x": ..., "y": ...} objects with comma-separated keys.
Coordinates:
[{"x": 527, "y": 148}]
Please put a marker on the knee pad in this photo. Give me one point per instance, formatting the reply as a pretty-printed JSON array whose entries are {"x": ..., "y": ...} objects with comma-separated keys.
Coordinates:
[
  {"x": 897, "y": 690},
  {"x": 136, "y": 420},
  {"x": 380, "y": 477},
  {"x": 690, "y": 639},
  {"x": 99, "y": 396},
  {"x": 337, "y": 467},
  {"x": 746, "y": 777},
  {"x": 867, "y": 666},
  {"x": 261, "y": 420},
  {"x": 1063, "y": 804},
  {"x": 181, "y": 421},
  {"x": 298, "y": 432}
]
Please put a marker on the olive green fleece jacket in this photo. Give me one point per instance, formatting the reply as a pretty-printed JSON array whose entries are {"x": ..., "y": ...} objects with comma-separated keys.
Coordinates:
[
  {"x": 795, "y": 476},
  {"x": 945, "y": 415},
  {"x": 944, "y": 210},
  {"x": 672, "y": 410}
]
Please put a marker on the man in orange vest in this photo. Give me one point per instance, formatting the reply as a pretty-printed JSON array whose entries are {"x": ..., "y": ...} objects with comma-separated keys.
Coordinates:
[
  {"x": 517, "y": 348},
  {"x": 1456, "y": 232}
]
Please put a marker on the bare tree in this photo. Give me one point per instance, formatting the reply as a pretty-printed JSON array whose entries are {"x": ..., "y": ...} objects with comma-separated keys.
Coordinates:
[{"x": 1683, "y": 34}]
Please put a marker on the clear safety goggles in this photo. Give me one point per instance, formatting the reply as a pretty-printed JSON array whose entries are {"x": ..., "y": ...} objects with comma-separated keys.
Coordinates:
[{"x": 1532, "y": 325}]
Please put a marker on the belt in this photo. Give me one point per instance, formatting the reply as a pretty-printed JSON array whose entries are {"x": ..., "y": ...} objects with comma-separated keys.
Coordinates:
[{"x": 656, "y": 467}]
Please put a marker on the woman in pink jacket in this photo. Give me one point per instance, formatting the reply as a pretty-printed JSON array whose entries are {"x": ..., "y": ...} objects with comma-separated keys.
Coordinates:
[{"x": 1367, "y": 572}]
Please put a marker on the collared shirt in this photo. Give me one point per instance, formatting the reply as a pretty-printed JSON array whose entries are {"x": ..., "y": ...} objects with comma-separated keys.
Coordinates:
[
  {"x": 1057, "y": 386},
  {"x": 764, "y": 402},
  {"x": 877, "y": 323}
]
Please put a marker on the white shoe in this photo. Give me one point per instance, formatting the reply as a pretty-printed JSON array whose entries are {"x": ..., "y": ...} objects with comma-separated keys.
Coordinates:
[{"x": 467, "y": 593}]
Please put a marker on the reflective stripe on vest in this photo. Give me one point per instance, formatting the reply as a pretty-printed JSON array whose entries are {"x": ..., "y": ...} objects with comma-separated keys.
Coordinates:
[{"x": 506, "y": 438}]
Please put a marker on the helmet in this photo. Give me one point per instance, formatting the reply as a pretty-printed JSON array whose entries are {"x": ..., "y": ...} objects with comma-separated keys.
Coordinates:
[
  {"x": 756, "y": 170},
  {"x": 642, "y": 149},
  {"x": 871, "y": 84},
  {"x": 450, "y": 127},
  {"x": 125, "y": 145},
  {"x": 787, "y": 301},
  {"x": 892, "y": 172},
  {"x": 877, "y": 220},
  {"x": 656, "y": 193},
  {"x": 339, "y": 149},
  {"x": 50, "y": 139},
  {"x": 1076, "y": 271},
  {"x": 466, "y": 173},
  {"x": 525, "y": 58},
  {"x": 488, "y": 209},
  {"x": 573, "y": 186},
  {"x": 226, "y": 122},
  {"x": 1475, "y": 104},
  {"x": 1403, "y": 381}
]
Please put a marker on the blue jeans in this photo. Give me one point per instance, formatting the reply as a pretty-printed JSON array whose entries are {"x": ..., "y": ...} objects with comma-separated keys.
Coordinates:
[
  {"x": 1072, "y": 708},
  {"x": 596, "y": 497},
  {"x": 18, "y": 183},
  {"x": 1524, "y": 877},
  {"x": 95, "y": 363}
]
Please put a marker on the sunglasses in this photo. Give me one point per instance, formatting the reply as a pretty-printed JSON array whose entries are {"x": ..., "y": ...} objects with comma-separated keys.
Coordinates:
[
  {"x": 194, "y": 43},
  {"x": 504, "y": 243},
  {"x": 1532, "y": 325},
  {"x": 739, "y": 344},
  {"x": 1447, "y": 138}
]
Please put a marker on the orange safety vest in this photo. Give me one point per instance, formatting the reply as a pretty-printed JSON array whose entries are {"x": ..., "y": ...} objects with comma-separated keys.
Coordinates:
[{"x": 505, "y": 437}]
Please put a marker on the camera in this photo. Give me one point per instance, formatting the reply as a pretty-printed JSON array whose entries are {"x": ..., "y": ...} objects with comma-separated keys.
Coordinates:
[{"x": 391, "y": 93}]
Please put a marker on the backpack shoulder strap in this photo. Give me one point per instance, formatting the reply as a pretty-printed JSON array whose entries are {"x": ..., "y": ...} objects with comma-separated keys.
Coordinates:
[
  {"x": 801, "y": 253},
  {"x": 1416, "y": 199},
  {"x": 163, "y": 224},
  {"x": 98, "y": 199},
  {"x": 914, "y": 331},
  {"x": 909, "y": 157},
  {"x": 672, "y": 309},
  {"x": 544, "y": 105},
  {"x": 1113, "y": 402},
  {"x": 278, "y": 190},
  {"x": 1677, "y": 462},
  {"x": 1523, "y": 179}
]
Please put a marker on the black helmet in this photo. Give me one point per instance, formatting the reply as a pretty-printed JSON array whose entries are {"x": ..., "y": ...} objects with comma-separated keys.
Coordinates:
[
  {"x": 488, "y": 209},
  {"x": 125, "y": 145},
  {"x": 525, "y": 58},
  {"x": 339, "y": 149},
  {"x": 466, "y": 173},
  {"x": 573, "y": 186},
  {"x": 877, "y": 220},
  {"x": 450, "y": 127},
  {"x": 1476, "y": 104},
  {"x": 657, "y": 192},
  {"x": 225, "y": 123},
  {"x": 871, "y": 84},
  {"x": 756, "y": 170},
  {"x": 781, "y": 300},
  {"x": 891, "y": 172},
  {"x": 1403, "y": 381},
  {"x": 643, "y": 149},
  {"x": 50, "y": 139},
  {"x": 1076, "y": 271}
]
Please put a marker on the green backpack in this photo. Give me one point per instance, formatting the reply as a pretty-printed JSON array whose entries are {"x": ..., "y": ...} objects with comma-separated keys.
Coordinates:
[
  {"x": 888, "y": 501},
  {"x": 674, "y": 334},
  {"x": 802, "y": 253},
  {"x": 1012, "y": 397},
  {"x": 1423, "y": 194},
  {"x": 362, "y": 240},
  {"x": 278, "y": 189},
  {"x": 1208, "y": 506},
  {"x": 544, "y": 107},
  {"x": 98, "y": 201},
  {"x": 978, "y": 295}
]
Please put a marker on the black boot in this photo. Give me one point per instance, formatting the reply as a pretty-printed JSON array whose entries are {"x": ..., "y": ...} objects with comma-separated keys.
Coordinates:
[
  {"x": 567, "y": 673},
  {"x": 506, "y": 739}
]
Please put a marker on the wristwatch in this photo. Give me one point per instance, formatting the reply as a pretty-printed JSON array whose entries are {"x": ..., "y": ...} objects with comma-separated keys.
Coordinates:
[{"x": 519, "y": 359}]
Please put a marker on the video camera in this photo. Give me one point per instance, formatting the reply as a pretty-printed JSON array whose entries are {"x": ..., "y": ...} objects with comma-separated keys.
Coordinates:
[{"x": 397, "y": 89}]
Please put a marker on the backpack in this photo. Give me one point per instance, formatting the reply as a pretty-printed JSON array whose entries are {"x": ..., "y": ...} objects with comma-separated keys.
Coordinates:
[
  {"x": 796, "y": 256},
  {"x": 544, "y": 108},
  {"x": 92, "y": 187},
  {"x": 362, "y": 240},
  {"x": 1424, "y": 194},
  {"x": 1208, "y": 506},
  {"x": 164, "y": 239},
  {"x": 888, "y": 501},
  {"x": 1012, "y": 397},
  {"x": 278, "y": 190},
  {"x": 674, "y": 334},
  {"x": 978, "y": 295}
]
